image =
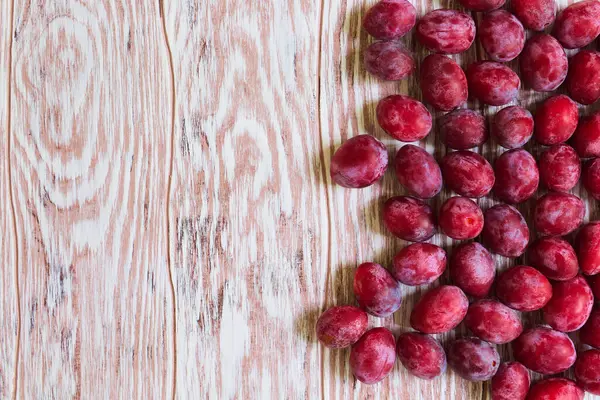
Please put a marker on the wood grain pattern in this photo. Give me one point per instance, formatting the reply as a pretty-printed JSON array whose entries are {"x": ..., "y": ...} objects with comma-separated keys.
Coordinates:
[
  {"x": 175, "y": 232},
  {"x": 248, "y": 201},
  {"x": 9, "y": 296},
  {"x": 91, "y": 106}
]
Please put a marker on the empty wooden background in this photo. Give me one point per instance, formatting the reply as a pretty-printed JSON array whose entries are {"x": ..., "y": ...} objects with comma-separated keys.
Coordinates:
[{"x": 169, "y": 227}]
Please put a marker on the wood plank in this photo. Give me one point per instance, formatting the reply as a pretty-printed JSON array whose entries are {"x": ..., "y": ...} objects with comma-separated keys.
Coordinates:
[
  {"x": 9, "y": 296},
  {"x": 91, "y": 122},
  {"x": 248, "y": 198}
]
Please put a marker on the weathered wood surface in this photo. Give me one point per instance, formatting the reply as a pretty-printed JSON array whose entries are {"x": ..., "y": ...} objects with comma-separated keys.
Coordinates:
[{"x": 169, "y": 226}]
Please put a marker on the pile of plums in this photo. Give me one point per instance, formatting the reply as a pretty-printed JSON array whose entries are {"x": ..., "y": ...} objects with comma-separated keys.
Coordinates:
[{"x": 561, "y": 279}]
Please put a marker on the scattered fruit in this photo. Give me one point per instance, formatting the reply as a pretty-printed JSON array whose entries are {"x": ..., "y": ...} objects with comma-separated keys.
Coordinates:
[
  {"x": 409, "y": 218},
  {"x": 446, "y": 31},
  {"x": 560, "y": 168},
  {"x": 570, "y": 305},
  {"x": 523, "y": 288},
  {"x": 556, "y": 120},
  {"x": 468, "y": 173},
  {"x": 404, "y": 118},
  {"x": 554, "y": 257},
  {"x": 493, "y": 322},
  {"x": 513, "y": 127},
  {"x": 472, "y": 269},
  {"x": 390, "y": 19},
  {"x": 543, "y": 63},
  {"x": 376, "y": 290},
  {"x": 341, "y": 326},
  {"x": 473, "y": 359},
  {"x": 421, "y": 355},
  {"x": 373, "y": 356},
  {"x": 578, "y": 25},
  {"x": 443, "y": 82},
  {"x": 419, "y": 264},
  {"x": 544, "y": 350},
  {"x": 461, "y": 218},
  {"x": 517, "y": 176},
  {"x": 583, "y": 79},
  {"x": 505, "y": 231},
  {"x": 502, "y": 35},
  {"x": 511, "y": 382},
  {"x": 439, "y": 310},
  {"x": 463, "y": 129},
  {"x": 389, "y": 60},
  {"x": 558, "y": 214},
  {"x": 536, "y": 15},
  {"x": 492, "y": 82},
  {"x": 359, "y": 162},
  {"x": 418, "y": 171}
]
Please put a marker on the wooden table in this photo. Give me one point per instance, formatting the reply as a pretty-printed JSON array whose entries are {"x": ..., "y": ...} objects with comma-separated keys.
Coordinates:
[{"x": 169, "y": 225}]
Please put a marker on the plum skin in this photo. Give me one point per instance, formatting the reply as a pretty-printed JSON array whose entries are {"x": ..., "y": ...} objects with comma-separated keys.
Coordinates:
[
  {"x": 578, "y": 25},
  {"x": 586, "y": 140},
  {"x": 556, "y": 120},
  {"x": 422, "y": 355},
  {"x": 472, "y": 269},
  {"x": 473, "y": 359},
  {"x": 492, "y": 82},
  {"x": 446, "y": 31},
  {"x": 590, "y": 333},
  {"x": 502, "y": 35},
  {"x": 513, "y": 127},
  {"x": 443, "y": 82},
  {"x": 376, "y": 290},
  {"x": 511, "y": 382},
  {"x": 583, "y": 78},
  {"x": 544, "y": 63},
  {"x": 409, "y": 218},
  {"x": 388, "y": 60},
  {"x": 544, "y": 350},
  {"x": 555, "y": 388},
  {"x": 463, "y": 129},
  {"x": 418, "y": 171},
  {"x": 587, "y": 371},
  {"x": 505, "y": 231},
  {"x": 373, "y": 356},
  {"x": 554, "y": 257},
  {"x": 517, "y": 176},
  {"x": 591, "y": 178},
  {"x": 439, "y": 310},
  {"x": 341, "y": 326},
  {"x": 467, "y": 173},
  {"x": 523, "y": 288},
  {"x": 570, "y": 305},
  {"x": 560, "y": 168},
  {"x": 558, "y": 214},
  {"x": 390, "y": 19},
  {"x": 419, "y": 264},
  {"x": 461, "y": 218},
  {"x": 535, "y": 14},
  {"x": 588, "y": 248},
  {"x": 404, "y": 118},
  {"x": 359, "y": 162},
  {"x": 493, "y": 322}
]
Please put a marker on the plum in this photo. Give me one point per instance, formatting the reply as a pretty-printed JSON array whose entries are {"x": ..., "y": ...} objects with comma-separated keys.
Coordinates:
[
  {"x": 422, "y": 355},
  {"x": 556, "y": 120},
  {"x": 390, "y": 19},
  {"x": 419, "y": 264},
  {"x": 463, "y": 129},
  {"x": 376, "y": 290},
  {"x": 505, "y": 231},
  {"x": 558, "y": 214},
  {"x": 418, "y": 171},
  {"x": 409, "y": 218},
  {"x": 512, "y": 127},
  {"x": 443, "y": 82},
  {"x": 554, "y": 257},
  {"x": 389, "y": 60},
  {"x": 341, "y": 326},
  {"x": 493, "y": 322},
  {"x": 544, "y": 350},
  {"x": 502, "y": 35},
  {"x": 570, "y": 305},
  {"x": 517, "y": 176},
  {"x": 359, "y": 162},
  {"x": 472, "y": 269},
  {"x": 493, "y": 83},
  {"x": 404, "y": 118},
  {"x": 461, "y": 218},
  {"x": 473, "y": 359},
  {"x": 373, "y": 356},
  {"x": 511, "y": 382},
  {"x": 523, "y": 288},
  {"x": 468, "y": 173},
  {"x": 560, "y": 168},
  {"x": 543, "y": 62},
  {"x": 446, "y": 31},
  {"x": 439, "y": 310}
]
